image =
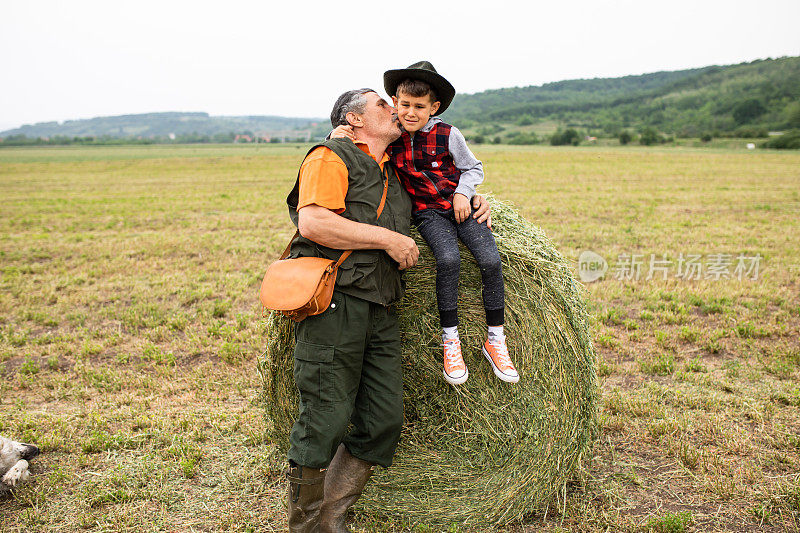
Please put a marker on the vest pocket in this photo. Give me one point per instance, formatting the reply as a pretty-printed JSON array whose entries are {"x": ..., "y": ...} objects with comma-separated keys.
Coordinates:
[
  {"x": 359, "y": 257},
  {"x": 433, "y": 161},
  {"x": 354, "y": 273}
]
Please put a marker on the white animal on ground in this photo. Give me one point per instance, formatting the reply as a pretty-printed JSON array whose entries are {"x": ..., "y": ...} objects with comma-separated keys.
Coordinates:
[{"x": 14, "y": 458}]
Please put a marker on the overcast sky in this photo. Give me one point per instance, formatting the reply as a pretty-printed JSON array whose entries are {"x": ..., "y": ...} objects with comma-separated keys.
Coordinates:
[{"x": 80, "y": 59}]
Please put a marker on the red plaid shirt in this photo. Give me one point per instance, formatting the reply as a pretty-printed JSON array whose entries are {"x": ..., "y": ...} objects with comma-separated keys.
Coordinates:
[{"x": 426, "y": 170}]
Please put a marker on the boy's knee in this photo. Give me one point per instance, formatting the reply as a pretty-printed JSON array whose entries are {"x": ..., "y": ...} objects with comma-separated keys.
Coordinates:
[
  {"x": 491, "y": 265},
  {"x": 448, "y": 261}
]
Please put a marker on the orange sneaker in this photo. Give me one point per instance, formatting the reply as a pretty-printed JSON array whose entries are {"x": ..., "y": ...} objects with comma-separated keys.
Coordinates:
[
  {"x": 495, "y": 350},
  {"x": 455, "y": 371}
]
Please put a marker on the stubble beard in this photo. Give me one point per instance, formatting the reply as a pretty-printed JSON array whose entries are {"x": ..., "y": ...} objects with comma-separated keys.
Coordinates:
[{"x": 399, "y": 128}]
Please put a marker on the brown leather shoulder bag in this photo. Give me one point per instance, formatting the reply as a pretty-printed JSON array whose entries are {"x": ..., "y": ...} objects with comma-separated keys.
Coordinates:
[{"x": 303, "y": 287}]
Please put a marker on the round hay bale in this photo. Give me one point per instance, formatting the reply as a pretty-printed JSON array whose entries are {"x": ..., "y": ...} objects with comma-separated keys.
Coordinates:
[{"x": 485, "y": 452}]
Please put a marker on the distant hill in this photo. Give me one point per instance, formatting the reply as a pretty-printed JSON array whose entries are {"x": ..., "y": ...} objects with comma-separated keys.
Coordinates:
[
  {"x": 763, "y": 94},
  {"x": 747, "y": 100},
  {"x": 154, "y": 125}
]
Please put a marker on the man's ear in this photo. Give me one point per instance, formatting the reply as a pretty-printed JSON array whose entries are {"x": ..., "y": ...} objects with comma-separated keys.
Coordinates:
[
  {"x": 354, "y": 120},
  {"x": 435, "y": 107}
]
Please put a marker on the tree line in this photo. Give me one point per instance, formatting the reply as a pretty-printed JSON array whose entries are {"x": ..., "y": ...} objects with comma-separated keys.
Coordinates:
[{"x": 745, "y": 100}]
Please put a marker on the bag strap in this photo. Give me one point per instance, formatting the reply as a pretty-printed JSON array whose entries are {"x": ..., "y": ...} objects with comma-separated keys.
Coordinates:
[
  {"x": 385, "y": 189},
  {"x": 347, "y": 253},
  {"x": 289, "y": 246}
]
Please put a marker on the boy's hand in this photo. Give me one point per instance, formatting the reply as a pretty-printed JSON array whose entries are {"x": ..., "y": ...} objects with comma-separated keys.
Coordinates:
[
  {"x": 461, "y": 207},
  {"x": 343, "y": 131}
]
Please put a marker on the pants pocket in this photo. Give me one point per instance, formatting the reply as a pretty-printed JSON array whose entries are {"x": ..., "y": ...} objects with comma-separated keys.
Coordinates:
[{"x": 312, "y": 373}]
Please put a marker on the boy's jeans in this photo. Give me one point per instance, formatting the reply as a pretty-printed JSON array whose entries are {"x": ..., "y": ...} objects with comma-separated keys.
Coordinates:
[{"x": 442, "y": 233}]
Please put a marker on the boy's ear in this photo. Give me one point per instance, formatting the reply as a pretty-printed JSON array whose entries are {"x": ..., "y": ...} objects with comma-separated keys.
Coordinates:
[
  {"x": 435, "y": 107},
  {"x": 354, "y": 120},
  {"x": 394, "y": 101}
]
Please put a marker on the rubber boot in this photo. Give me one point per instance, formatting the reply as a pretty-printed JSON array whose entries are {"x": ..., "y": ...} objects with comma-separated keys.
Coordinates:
[
  {"x": 306, "y": 489},
  {"x": 347, "y": 476}
]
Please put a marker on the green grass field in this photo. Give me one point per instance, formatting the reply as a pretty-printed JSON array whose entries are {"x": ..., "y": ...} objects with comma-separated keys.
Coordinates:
[{"x": 130, "y": 331}]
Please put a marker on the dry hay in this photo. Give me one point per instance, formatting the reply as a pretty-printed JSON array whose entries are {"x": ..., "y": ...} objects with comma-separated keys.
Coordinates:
[{"x": 485, "y": 452}]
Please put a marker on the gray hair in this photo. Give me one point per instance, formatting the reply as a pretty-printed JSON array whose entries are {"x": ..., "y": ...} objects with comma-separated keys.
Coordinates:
[{"x": 354, "y": 101}]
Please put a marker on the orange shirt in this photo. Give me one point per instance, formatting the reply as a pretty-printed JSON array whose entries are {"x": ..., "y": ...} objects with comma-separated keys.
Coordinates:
[{"x": 323, "y": 178}]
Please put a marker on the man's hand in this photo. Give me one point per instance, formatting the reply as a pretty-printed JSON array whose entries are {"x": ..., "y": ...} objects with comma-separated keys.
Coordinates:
[
  {"x": 403, "y": 250},
  {"x": 461, "y": 207},
  {"x": 325, "y": 227},
  {"x": 343, "y": 131},
  {"x": 483, "y": 211}
]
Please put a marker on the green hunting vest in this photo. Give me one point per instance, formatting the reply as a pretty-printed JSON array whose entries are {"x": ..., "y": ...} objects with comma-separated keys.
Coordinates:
[{"x": 367, "y": 274}]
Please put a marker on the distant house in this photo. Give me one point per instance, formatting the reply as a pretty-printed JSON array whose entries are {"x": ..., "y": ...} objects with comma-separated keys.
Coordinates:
[
  {"x": 591, "y": 139},
  {"x": 242, "y": 138}
]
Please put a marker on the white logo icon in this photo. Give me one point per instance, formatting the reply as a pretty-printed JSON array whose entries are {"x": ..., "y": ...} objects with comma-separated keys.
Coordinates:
[{"x": 591, "y": 266}]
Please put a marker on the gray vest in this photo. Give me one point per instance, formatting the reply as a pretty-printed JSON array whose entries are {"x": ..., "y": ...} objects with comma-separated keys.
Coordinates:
[{"x": 367, "y": 274}]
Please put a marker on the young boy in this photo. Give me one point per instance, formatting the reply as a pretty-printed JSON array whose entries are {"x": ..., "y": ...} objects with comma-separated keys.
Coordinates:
[{"x": 440, "y": 174}]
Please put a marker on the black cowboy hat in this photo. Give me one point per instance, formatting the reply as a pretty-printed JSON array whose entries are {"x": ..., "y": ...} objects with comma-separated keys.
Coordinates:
[{"x": 424, "y": 71}]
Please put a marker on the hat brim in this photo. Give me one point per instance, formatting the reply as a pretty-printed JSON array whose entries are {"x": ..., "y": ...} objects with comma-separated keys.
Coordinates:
[{"x": 445, "y": 92}]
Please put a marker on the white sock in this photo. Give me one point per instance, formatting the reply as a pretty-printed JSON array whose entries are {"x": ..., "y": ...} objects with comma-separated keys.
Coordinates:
[
  {"x": 450, "y": 333},
  {"x": 495, "y": 331}
]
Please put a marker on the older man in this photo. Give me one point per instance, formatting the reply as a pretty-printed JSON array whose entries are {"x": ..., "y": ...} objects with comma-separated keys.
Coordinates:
[{"x": 347, "y": 359}]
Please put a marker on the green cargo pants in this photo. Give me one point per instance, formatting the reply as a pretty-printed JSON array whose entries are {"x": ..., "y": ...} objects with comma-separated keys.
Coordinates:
[{"x": 347, "y": 367}]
